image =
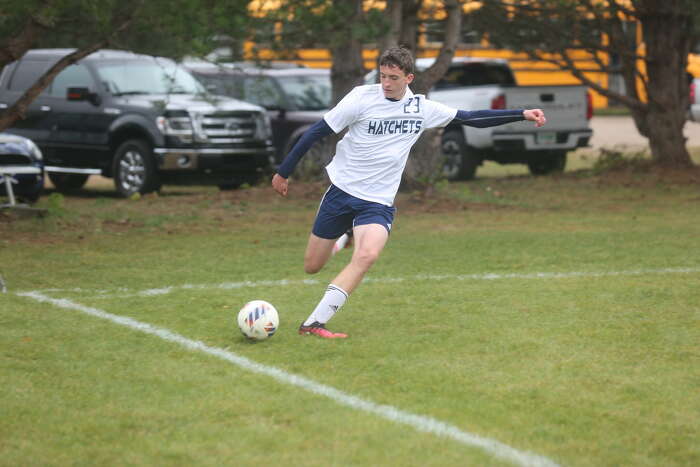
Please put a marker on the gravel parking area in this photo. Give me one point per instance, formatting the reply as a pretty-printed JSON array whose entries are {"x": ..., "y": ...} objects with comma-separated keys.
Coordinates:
[{"x": 620, "y": 130}]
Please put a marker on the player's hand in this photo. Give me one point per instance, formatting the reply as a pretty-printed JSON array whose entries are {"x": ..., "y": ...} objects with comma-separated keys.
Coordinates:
[
  {"x": 535, "y": 115},
  {"x": 280, "y": 184}
]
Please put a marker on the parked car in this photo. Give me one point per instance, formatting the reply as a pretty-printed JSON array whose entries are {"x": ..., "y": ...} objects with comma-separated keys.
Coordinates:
[
  {"x": 489, "y": 83},
  {"x": 22, "y": 164},
  {"x": 295, "y": 97},
  {"x": 694, "y": 110},
  {"x": 139, "y": 119}
]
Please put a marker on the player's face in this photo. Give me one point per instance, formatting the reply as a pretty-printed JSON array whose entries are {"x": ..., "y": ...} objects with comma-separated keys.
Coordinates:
[{"x": 394, "y": 81}]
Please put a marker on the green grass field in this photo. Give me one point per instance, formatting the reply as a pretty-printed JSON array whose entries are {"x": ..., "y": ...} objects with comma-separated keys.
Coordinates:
[{"x": 557, "y": 318}]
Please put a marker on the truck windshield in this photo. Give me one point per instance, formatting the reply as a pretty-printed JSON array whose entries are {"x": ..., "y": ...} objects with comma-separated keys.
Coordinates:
[
  {"x": 307, "y": 92},
  {"x": 476, "y": 74},
  {"x": 147, "y": 77}
]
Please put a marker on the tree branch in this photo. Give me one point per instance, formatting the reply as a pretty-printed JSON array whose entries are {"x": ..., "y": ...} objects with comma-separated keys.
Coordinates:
[
  {"x": 425, "y": 80},
  {"x": 35, "y": 25},
  {"x": 19, "y": 108},
  {"x": 569, "y": 65}
]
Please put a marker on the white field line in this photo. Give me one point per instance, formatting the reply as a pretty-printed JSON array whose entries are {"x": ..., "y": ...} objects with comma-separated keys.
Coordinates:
[
  {"x": 126, "y": 292},
  {"x": 419, "y": 422}
]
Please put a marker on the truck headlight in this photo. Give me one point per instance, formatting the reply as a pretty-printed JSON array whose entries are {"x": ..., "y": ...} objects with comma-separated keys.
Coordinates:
[
  {"x": 263, "y": 127},
  {"x": 178, "y": 125}
]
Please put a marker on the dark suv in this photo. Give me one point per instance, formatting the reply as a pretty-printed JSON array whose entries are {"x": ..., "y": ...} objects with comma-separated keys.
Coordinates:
[
  {"x": 140, "y": 119},
  {"x": 295, "y": 97}
]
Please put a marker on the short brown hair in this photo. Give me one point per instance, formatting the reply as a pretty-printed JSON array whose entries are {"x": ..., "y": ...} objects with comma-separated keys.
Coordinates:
[{"x": 398, "y": 56}]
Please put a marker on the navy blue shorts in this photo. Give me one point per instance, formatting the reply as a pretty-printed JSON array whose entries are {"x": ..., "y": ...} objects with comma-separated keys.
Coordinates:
[{"x": 340, "y": 211}]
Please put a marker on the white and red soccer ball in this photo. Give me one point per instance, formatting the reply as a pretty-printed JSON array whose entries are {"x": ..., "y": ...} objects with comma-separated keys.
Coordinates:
[{"x": 258, "y": 320}]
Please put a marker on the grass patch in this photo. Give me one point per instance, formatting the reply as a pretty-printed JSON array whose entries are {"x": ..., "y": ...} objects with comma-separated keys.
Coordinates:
[{"x": 592, "y": 362}]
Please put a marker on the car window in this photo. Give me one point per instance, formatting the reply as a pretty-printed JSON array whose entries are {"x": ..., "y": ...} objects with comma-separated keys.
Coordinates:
[
  {"x": 147, "y": 77},
  {"x": 307, "y": 92},
  {"x": 26, "y": 73},
  {"x": 476, "y": 74},
  {"x": 223, "y": 85},
  {"x": 74, "y": 76},
  {"x": 262, "y": 91}
]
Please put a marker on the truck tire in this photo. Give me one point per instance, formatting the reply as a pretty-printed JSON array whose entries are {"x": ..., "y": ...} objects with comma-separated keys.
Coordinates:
[
  {"x": 547, "y": 162},
  {"x": 461, "y": 161},
  {"x": 66, "y": 183},
  {"x": 134, "y": 169}
]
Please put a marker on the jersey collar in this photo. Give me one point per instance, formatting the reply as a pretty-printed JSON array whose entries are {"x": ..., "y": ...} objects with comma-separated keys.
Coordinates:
[{"x": 406, "y": 94}]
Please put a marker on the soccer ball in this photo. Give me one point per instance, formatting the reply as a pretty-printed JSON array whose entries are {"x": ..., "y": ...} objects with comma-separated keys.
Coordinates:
[{"x": 258, "y": 320}]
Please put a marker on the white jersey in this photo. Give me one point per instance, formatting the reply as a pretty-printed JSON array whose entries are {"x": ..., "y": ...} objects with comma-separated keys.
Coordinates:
[{"x": 371, "y": 157}]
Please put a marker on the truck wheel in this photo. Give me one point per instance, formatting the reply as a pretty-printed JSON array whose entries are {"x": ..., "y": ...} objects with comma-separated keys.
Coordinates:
[
  {"x": 134, "y": 169},
  {"x": 548, "y": 162},
  {"x": 67, "y": 182},
  {"x": 460, "y": 160}
]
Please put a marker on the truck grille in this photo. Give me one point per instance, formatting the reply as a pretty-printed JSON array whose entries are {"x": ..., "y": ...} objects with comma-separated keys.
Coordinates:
[{"x": 229, "y": 127}]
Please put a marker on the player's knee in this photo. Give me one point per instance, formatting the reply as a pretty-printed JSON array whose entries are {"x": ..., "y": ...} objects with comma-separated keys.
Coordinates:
[
  {"x": 312, "y": 266},
  {"x": 367, "y": 256}
]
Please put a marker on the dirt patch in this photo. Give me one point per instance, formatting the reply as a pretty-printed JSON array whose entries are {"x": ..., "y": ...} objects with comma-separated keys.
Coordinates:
[
  {"x": 643, "y": 175},
  {"x": 96, "y": 209}
]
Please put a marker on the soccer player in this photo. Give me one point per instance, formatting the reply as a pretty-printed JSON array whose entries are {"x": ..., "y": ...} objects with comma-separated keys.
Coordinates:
[{"x": 383, "y": 120}]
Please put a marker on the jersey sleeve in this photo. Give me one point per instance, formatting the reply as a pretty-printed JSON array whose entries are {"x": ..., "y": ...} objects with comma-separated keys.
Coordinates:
[
  {"x": 345, "y": 112},
  {"x": 438, "y": 115}
]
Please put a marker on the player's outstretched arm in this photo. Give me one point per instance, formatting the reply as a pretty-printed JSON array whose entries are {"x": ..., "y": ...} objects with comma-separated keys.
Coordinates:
[
  {"x": 313, "y": 134},
  {"x": 535, "y": 115},
  {"x": 488, "y": 118}
]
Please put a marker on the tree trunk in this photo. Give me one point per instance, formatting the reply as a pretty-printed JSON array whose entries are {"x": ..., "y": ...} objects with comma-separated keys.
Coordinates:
[
  {"x": 667, "y": 48},
  {"x": 425, "y": 164},
  {"x": 348, "y": 68},
  {"x": 394, "y": 15},
  {"x": 453, "y": 24},
  {"x": 409, "y": 26}
]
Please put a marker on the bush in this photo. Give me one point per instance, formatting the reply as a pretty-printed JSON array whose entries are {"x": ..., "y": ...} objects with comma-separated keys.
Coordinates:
[{"x": 615, "y": 160}]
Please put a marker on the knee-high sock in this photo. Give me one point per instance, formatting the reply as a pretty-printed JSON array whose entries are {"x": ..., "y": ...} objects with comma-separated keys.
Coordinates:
[{"x": 329, "y": 305}]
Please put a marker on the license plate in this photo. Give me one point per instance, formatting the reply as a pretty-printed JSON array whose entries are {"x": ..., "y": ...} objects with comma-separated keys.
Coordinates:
[{"x": 546, "y": 137}]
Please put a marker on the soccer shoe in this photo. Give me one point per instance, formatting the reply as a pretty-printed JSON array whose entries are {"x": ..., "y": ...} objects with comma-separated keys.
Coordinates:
[{"x": 320, "y": 330}]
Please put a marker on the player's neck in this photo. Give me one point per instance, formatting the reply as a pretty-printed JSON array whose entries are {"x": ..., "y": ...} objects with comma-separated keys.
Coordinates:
[{"x": 396, "y": 99}]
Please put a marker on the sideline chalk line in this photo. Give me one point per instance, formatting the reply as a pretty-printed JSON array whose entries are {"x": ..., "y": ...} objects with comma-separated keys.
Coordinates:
[
  {"x": 419, "y": 422},
  {"x": 123, "y": 292}
]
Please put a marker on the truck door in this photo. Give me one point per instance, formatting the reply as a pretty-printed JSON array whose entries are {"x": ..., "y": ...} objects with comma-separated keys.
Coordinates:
[{"x": 79, "y": 129}]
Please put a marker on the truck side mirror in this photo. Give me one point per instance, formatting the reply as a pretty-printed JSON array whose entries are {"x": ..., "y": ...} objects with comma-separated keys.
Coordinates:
[{"x": 83, "y": 94}]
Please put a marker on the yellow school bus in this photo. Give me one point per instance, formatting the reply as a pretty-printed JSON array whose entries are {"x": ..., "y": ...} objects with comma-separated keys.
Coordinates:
[{"x": 527, "y": 71}]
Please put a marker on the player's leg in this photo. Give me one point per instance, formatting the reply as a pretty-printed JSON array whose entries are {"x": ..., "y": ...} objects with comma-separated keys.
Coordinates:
[
  {"x": 333, "y": 218},
  {"x": 370, "y": 240},
  {"x": 371, "y": 232},
  {"x": 318, "y": 252}
]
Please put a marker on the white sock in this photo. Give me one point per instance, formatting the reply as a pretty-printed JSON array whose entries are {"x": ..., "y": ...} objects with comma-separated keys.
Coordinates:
[
  {"x": 329, "y": 305},
  {"x": 340, "y": 243}
]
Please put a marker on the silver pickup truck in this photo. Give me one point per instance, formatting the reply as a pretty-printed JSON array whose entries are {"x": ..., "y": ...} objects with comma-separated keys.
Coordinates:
[{"x": 479, "y": 83}]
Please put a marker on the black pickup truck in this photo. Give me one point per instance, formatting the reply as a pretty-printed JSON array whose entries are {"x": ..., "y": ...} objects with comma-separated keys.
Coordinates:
[{"x": 142, "y": 120}]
